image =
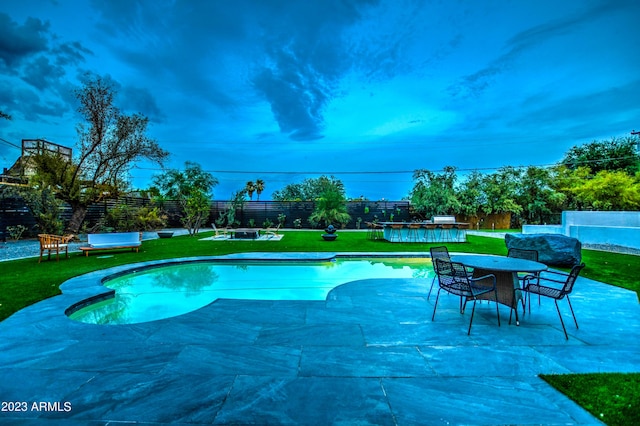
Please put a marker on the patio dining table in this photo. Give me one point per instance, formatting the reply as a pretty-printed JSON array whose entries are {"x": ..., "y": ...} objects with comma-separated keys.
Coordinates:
[{"x": 506, "y": 270}]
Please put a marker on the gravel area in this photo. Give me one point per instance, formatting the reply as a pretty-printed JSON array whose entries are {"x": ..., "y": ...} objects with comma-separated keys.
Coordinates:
[
  {"x": 12, "y": 250},
  {"x": 30, "y": 248}
]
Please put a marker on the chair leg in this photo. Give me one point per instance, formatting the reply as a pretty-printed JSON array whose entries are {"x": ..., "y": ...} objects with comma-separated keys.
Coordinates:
[
  {"x": 574, "y": 315},
  {"x": 561, "y": 321},
  {"x": 498, "y": 310},
  {"x": 514, "y": 308},
  {"x": 435, "y": 305},
  {"x": 473, "y": 310},
  {"x": 433, "y": 281}
]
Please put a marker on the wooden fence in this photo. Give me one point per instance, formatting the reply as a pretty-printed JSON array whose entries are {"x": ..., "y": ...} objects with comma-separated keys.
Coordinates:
[{"x": 14, "y": 211}]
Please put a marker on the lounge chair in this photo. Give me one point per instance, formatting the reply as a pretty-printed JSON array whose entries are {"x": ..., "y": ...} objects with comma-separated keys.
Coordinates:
[
  {"x": 219, "y": 234},
  {"x": 55, "y": 243},
  {"x": 272, "y": 232}
]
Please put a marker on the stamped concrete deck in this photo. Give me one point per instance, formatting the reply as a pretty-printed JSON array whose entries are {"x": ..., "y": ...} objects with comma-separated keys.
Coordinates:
[{"x": 369, "y": 354}]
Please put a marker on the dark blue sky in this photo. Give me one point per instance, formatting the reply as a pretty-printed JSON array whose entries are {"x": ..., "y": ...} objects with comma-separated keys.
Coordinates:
[{"x": 282, "y": 90}]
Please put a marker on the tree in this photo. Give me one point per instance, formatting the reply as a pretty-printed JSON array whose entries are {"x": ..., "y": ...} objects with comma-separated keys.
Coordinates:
[
  {"x": 109, "y": 143},
  {"x": 536, "y": 195},
  {"x": 616, "y": 154},
  {"x": 330, "y": 209},
  {"x": 250, "y": 188},
  {"x": 43, "y": 205},
  {"x": 501, "y": 191},
  {"x": 309, "y": 190},
  {"x": 5, "y": 115},
  {"x": 610, "y": 190},
  {"x": 259, "y": 187},
  {"x": 471, "y": 194},
  {"x": 191, "y": 189},
  {"x": 434, "y": 193}
]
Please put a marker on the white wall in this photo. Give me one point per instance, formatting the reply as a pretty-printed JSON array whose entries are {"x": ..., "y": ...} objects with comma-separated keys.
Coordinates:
[
  {"x": 614, "y": 228},
  {"x": 629, "y": 219}
]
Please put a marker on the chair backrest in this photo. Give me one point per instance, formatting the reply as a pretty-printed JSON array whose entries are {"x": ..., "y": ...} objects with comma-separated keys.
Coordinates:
[
  {"x": 452, "y": 277},
  {"x": 571, "y": 279},
  {"x": 523, "y": 254},
  {"x": 47, "y": 240},
  {"x": 440, "y": 252}
]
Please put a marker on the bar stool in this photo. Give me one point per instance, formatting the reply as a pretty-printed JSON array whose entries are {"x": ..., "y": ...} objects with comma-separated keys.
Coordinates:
[
  {"x": 454, "y": 233},
  {"x": 412, "y": 234},
  {"x": 369, "y": 230},
  {"x": 429, "y": 232},
  {"x": 445, "y": 231},
  {"x": 462, "y": 231},
  {"x": 396, "y": 229},
  {"x": 378, "y": 231}
]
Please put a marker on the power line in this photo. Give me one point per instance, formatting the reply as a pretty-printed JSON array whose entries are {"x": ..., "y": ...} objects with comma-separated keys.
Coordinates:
[
  {"x": 10, "y": 144},
  {"x": 386, "y": 172}
]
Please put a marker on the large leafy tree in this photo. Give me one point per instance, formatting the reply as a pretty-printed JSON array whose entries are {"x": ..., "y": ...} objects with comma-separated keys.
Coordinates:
[
  {"x": 609, "y": 190},
  {"x": 614, "y": 154},
  {"x": 434, "y": 193},
  {"x": 501, "y": 191},
  {"x": 310, "y": 189},
  {"x": 536, "y": 195},
  {"x": 471, "y": 194},
  {"x": 110, "y": 142},
  {"x": 191, "y": 189}
]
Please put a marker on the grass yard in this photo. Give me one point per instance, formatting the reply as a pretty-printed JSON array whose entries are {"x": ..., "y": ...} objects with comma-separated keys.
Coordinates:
[{"x": 613, "y": 398}]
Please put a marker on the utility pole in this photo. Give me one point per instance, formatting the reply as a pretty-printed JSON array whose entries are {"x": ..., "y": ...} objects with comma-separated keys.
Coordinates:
[{"x": 634, "y": 133}]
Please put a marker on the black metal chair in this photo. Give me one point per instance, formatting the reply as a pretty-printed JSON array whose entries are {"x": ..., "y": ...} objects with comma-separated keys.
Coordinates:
[
  {"x": 556, "y": 288},
  {"x": 527, "y": 255},
  {"x": 440, "y": 252},
  {"x": 453, "y": 278}
]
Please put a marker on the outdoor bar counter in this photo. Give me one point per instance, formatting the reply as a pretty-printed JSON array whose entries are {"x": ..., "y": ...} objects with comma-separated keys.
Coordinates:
[{"x": 425, "y": 232}]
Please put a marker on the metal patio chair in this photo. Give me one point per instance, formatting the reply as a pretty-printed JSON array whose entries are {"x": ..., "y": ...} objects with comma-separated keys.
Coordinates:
[
  {"x": 440, "y": 252},
  {"x": 453, "y": 278},
  {"x": 556, "y": 288},
  {"x": 527, "y": 255}
]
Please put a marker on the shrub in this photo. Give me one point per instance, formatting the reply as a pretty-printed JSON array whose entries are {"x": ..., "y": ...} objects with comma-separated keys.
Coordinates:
[{"x": 15, "y": 232}]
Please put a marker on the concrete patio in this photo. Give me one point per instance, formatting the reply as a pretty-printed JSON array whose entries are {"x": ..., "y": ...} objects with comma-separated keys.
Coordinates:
[{"x": 369, "y": 354}]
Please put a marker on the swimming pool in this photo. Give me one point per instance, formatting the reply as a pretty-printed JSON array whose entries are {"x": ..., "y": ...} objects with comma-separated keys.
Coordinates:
[{"x": 159, "y": 292}]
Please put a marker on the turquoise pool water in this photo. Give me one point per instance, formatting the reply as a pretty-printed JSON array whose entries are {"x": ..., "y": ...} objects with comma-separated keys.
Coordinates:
[{"x": 168, "y": 291}]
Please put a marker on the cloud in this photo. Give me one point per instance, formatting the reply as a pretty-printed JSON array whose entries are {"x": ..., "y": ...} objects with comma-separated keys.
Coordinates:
[
  {"x": 41, "y": 73},
  {"x": 306, "y": 55},
  {"x": 474, "y": 84},
  {"x": 140, "y": 100},
  {"x": 34, "y": 54},
  {"x": 289, "y": 54},
  {"x": 18, "y": 42}
]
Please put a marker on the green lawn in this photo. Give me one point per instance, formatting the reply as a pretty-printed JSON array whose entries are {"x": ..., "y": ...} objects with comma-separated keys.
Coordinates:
[{"x": 615, "y": 396}]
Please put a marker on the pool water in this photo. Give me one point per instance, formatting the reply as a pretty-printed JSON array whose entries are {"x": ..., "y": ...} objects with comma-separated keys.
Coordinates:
[{"x": 167, "y": 291}]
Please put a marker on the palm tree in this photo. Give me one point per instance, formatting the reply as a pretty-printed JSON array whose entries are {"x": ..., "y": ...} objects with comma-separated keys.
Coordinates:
[
  {"x": 250, "y": 187},
  {"x": 259, "y": 187},
  {"x": 330, "y": 209}
]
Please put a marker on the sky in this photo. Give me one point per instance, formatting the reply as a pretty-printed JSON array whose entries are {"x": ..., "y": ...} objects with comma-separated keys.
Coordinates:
[{"x": 365, "y": 90}]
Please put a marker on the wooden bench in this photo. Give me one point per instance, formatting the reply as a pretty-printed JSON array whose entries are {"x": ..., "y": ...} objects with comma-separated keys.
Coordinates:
[{"x": 113, "y": 241}]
